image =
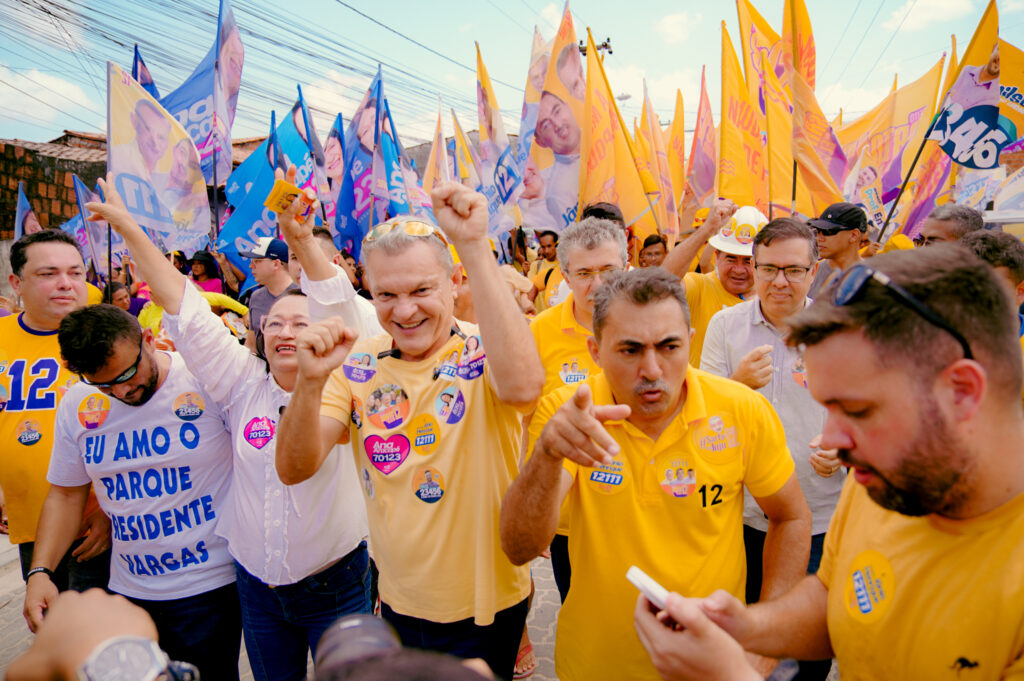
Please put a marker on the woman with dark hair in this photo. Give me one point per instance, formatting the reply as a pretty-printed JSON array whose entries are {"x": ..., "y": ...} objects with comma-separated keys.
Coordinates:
[{"x": 205, "y": 272}]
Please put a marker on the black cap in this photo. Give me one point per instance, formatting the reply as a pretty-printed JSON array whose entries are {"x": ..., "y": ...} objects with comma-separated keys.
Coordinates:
[{"x": 841, "y": 216}]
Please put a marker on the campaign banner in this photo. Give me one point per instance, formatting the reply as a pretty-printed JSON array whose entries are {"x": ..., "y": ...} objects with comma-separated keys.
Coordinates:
[
  {"x": 205, "y": 103},
  {"x": 352, "y": 217},
  {"x": 438, "y": 168},
  {"x": 1010, "y": 195},
  {"x": 155, "y": 165},
  {"x": 96, "y": 232},
  {"x": 703, "y": 161},
  {"x": 742, "y": 168},
  {"x": 396, "y": 189},
  {"x": 540, "y": 55},
  {"x": 315, "y": 158},
  {"x": 25, "y": 220},
  {"x": 142, "y": 76},
  {"x": 76, "y": 228},
  {"x": 501, "y": 179},
  {"x": 334, "y": 162},
  {"x": 466, "y": 168}
]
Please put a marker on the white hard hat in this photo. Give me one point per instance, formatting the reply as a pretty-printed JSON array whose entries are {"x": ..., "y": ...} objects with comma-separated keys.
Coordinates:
[{"x": 736, "y": 237}]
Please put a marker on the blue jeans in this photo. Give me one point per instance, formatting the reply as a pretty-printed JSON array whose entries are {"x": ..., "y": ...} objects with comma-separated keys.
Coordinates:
[
  {"x": 281, "y": 624},
  {"x": 205, "y": 630},
  {"x": 497, "y": 643},
  {"x": 70, "y": 574}
]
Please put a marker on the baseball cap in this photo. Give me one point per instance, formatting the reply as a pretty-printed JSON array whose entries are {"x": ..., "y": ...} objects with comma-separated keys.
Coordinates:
[
  {"x": 268, "y": 247},
  {"x": 839, "y": 217},
  {"x": 736, "y": 237}
]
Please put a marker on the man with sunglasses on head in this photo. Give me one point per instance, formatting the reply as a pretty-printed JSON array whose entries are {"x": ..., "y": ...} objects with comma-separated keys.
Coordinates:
[
  {"x": 747, "y": 342},
  {"x": 155, "y": 449},
  {"x": 839, "y": 231},
  {"x": 444, "y": 582},
  {"x": 916, "y": 360},
  {"x": 49, "y": 275}
]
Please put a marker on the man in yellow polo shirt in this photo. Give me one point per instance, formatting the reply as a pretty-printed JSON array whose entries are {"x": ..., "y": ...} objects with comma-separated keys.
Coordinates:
[
  {"x": 434, "y": 410},
  {"x": 653, "y": 456},
  {"x": 588, "y": 250},
  {"x": 545, "y": 273}
]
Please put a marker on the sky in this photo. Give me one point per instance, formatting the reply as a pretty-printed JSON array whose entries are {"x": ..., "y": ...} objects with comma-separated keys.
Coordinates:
[{"x": 53, "y": 52}]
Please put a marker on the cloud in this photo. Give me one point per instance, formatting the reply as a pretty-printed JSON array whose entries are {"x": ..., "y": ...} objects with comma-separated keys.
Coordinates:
[
  {"x": 551, "y": 15},
  {"x": 674, "y": 28},
  {"x": 58, "y": 94},
  {"x": 662, "y": 90},
  {"x": 1009, "y": 6},
  {"x": 853, "y": 101},
  {"x": 926, "y": 13}
]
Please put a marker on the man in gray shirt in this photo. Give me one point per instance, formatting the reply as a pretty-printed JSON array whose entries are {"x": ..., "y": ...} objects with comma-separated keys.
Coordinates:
[
  {"x": 269, "y": 264},
  {"x": 747, "y": 342}
]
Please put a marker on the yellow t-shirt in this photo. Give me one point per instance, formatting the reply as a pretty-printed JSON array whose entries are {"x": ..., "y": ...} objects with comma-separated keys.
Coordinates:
[
  {"x": 673, "y": 507},
  {"x": 548, "y": 288},
  {"x": 93, "y": 295},
  {"x": 562, "y": 344},
  {"x": 924, "y": 598},
  {"x": 436, "y": 451},
  {"x": 33, "y": 379},
  {"x": 705, "y": 295}
]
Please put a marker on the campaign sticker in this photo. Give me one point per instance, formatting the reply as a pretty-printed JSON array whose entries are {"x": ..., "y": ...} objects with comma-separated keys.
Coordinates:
[
  {"x": 93, "y": 411},
  {"x": 4, "y": 362},
  {"x": 745, "y": 234},
  {"x": 800, "y": 372},
  {"x": 357, "y": 412},
  {"x": 387, "y": 406},
  {"x": 679, "y": 481},
  {"x": 259, "y": 431},
  {"x": 28, "y": 433},
  {"x": 360, "y": 367},
  {"x": 424, "y": 433},
  {"x": 449, "y": 368},
  {"x": 4, "y": 396},
  {"x": 471, "y": 361},
  {"x": 869, "y": 588},
  {"x": 572, "y": 373},
  {"x": 387, "y": 454},
  {"x": 607, "y": 478},
  {"x": 364, "y": 477},
  {"x": 188, "y": 406},
  {"x": 450, "y": 405},
  {"x": 64, "y": 387},
  {"x": 717, "y": 440},
  {"x": 428, "y": 484}
]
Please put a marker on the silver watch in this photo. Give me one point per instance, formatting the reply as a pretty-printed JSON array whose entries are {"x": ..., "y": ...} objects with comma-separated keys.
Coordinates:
[{"x": 125, "y": 658}]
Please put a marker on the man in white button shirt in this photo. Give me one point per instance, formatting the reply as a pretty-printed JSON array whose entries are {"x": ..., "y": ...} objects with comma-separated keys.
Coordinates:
[
  {"x": 747, "y": 342},
  {"x": 300, "y": 552}
]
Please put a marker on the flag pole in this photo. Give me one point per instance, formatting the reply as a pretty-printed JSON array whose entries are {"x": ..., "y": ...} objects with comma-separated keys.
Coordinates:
[
  {"x": 903, "y": 185},
  {"x": 216, "y": 198},
  {"x": 792, "y": 199}
]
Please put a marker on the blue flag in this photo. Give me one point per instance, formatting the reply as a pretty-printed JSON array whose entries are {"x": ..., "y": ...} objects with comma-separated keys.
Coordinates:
[
  {"x": 25, "y": 220},
  {"x": 396, "y": 189},
  {"x": 141, "y": 74},
  {"x": 96, "y": 232},
  {"x": 205, "y": 103},
  {"x": 352, "y": 219}
]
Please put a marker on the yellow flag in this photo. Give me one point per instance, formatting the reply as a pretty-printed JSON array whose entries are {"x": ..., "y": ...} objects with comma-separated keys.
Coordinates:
[
  {"x": 608, "y": 172},
  {"x": 816, "y": 149},
  {"x": 798, "y": 40},
  {"x": 467, "y": 167},
  {"x": 741, "y": 168},
  {"x": 675, "y": 145},
  {"x": 658, "y": 155},
  {"x": 779, "y": 120},
  {"x": 437, "y": 169}
]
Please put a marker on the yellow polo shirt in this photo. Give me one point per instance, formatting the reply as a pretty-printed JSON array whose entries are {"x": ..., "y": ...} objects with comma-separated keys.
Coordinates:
[
  {"x": 562, "y": 343},
  {"x": 673, "y": 507},
  {"x": 549, "y": 288},
  {"x": 705, "y": 295},
  {"x": 924, "y": 598},
  {"x": 436, "y": 451}
]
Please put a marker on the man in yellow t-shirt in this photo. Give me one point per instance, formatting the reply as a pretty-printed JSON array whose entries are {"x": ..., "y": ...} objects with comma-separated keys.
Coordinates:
[
  {"x": 589, "y": 250},
  {"x": 658, "y": 483},
  {"x": 545, "y": 272},
  {"x": 915, "y": 356},
  {"x": 49, "y": 276},
  {"x": 433, "y": 396}
]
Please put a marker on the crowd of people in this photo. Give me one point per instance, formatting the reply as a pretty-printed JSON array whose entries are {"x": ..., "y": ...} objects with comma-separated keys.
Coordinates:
[{"x": 806, "y": 438}]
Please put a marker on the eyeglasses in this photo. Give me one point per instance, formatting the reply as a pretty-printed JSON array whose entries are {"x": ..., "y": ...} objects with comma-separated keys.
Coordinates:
[
  {"x": 410, "y": 227},
  {"x": 588, "y": 275},
  {"x": 794, "y": 273},
  {"x": 277, "y": 326},
  {"x": 857, "y": 277},
  {"x": 126, "y": 376}
]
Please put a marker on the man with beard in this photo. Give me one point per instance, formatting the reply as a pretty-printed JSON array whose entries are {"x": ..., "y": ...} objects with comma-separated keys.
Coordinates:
[
  {"x": 159, "y": 458},
  {"x": 916, "y": 359}
]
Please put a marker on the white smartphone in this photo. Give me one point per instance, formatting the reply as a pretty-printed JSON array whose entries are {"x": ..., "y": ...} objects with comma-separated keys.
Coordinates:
[{"x": 655, "y": 593}]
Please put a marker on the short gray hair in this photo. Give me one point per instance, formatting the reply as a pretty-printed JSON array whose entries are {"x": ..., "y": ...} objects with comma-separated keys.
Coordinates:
[
  {"x": 589, "y": 234},
  {"x": 966, "y": 218}
]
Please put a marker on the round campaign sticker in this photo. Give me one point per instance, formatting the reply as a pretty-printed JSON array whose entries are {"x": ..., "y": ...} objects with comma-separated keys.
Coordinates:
[
  {"x": 606, "y": 478},
  {"x": 727, "y": 229},
  {"x": 66, "y": 385},
  {"x": 869, "y": 587},
  {"x": 386, "y": 454},
  {"x": 4, "y": 396},
  {"x": 360, "y": 367},
  {"x": 745, "y": 234},
  {"x": 93, "y": 410},
  {"x": 450, "y": 405},
  {"x": 259, "y": 431},
  {"x": 387, "y": 406},
  {"x": 188, "y": 406},
  {"x": 364, "y": 477},
  {"x": 572, "y": 373},
  {"x": 716, "y": 440},
  {"x": 4, "y": 362},
  {"x": 428, "y": 484},
  {"x": 800, "y": 372},
  {"x": 449, "y": 367},
  {"x": 357, "y": 411},
  {"x": 424, "y": 433},
  {"x": 678, "y": 480},
  {"x": 471, "y": 361},
  {"x": 28, "y": 433}
]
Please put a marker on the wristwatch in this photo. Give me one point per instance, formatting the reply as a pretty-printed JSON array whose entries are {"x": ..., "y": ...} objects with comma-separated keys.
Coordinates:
[{"x": 125, "y": 658}]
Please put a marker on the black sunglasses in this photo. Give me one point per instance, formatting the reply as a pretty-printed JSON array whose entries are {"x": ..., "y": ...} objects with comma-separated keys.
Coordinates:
[
  {"x": 128, "y": 374},
  {"x": 830, "y": 231},
  {"x": 856, "y": 278}
]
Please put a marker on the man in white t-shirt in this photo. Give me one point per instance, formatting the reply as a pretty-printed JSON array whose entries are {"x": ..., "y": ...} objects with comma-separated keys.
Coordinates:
[{"x": 140, "y": 428}]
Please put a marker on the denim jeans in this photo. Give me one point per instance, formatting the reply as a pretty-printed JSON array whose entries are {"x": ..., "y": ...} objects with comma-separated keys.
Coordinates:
[
  {"x": 205, "y": 630},
  {"x": 281, "y": 624},
  {"x": 70, "y": 574},
  {"x": 497, "y": 643}
]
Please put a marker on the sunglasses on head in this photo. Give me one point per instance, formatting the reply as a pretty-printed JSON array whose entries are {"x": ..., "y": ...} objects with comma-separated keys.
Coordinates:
[
  {"x": 410, "y": 227},
  {"x": 857, "y": 277}
]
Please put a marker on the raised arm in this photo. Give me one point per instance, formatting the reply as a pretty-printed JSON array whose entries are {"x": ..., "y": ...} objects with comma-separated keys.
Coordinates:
[
  {"x": 514, "y": 363},
  {"x": 166, "y": 284},
  {"x": 679, "y": 258}
]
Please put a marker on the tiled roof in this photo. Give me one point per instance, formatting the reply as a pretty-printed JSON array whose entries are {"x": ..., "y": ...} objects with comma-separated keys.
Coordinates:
[{"x": 61, "y": 151}]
